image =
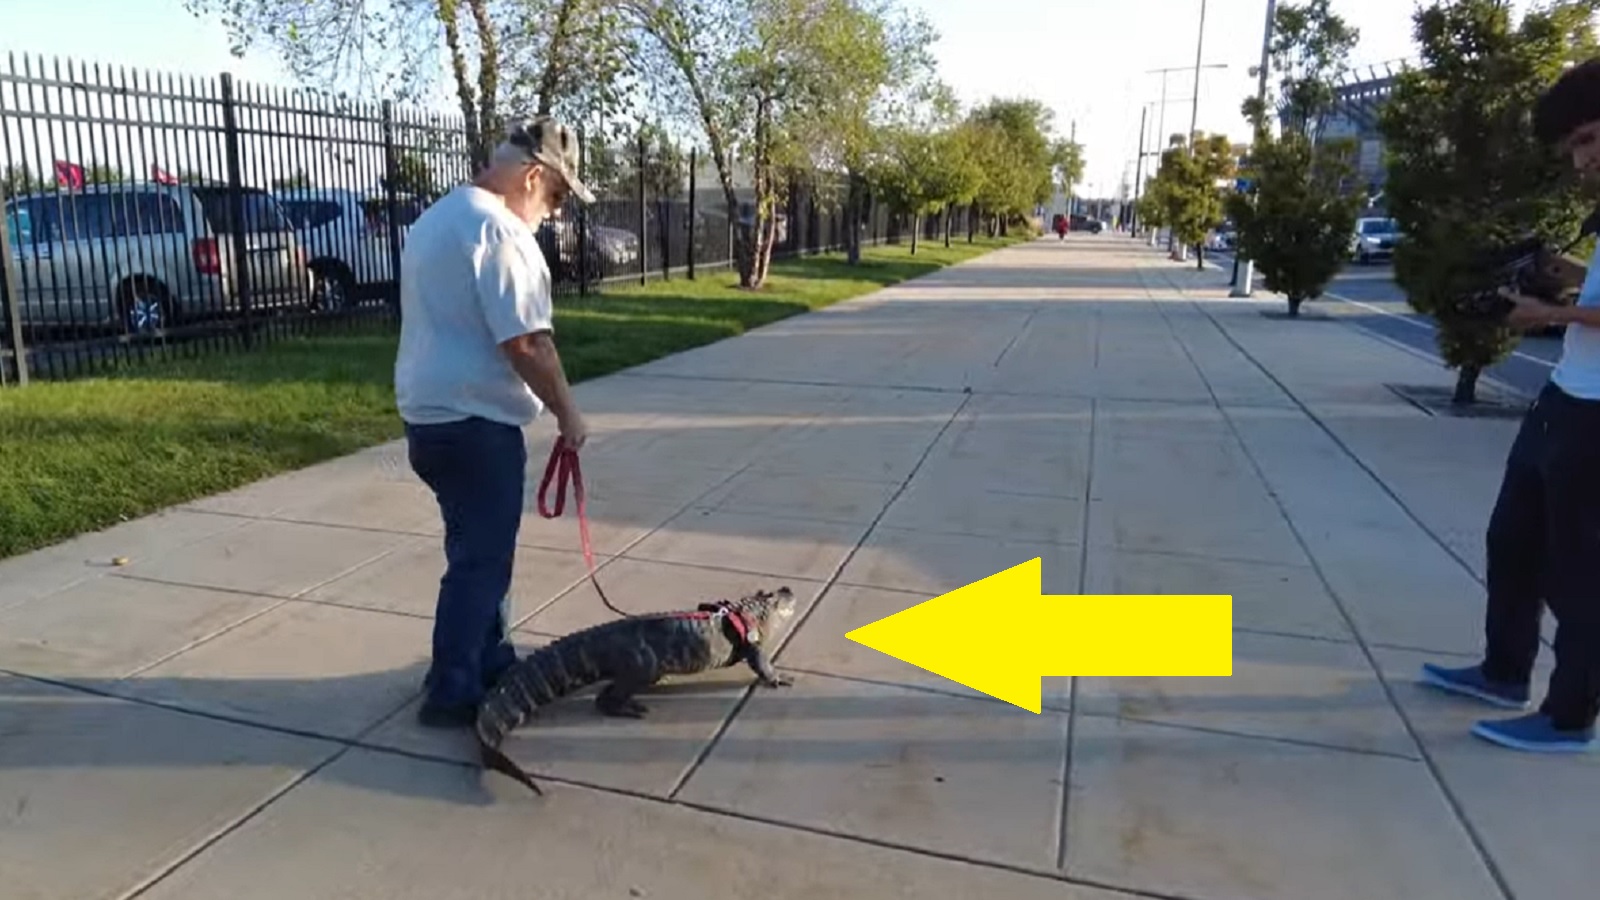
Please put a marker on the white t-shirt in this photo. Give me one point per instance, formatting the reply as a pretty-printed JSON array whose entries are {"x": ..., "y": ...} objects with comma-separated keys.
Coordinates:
[
  {"x": 1578, "y": 372},
  {"x": 471, "y": 276}
]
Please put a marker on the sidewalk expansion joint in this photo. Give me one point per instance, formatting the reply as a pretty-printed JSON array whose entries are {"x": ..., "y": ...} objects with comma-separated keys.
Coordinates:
[
  {"x": 799, "y": 382},
  {"x": 822, "y": 595},
  {"x": 229, "y": 828},
  {"x": 1333, "y": 436},
  {"x": 1478, "y": 843},
  {"x": 1083, "y": 581},
  {"x": 1016, "y": 337},
  {"x": 1058, "y": 875}
]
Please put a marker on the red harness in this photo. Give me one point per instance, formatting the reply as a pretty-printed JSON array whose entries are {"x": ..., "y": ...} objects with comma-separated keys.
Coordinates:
[{"x": 728, "y": 613}]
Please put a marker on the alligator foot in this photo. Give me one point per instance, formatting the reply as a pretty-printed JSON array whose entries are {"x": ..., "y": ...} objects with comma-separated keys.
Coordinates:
[{"x": 618, "y": 706}]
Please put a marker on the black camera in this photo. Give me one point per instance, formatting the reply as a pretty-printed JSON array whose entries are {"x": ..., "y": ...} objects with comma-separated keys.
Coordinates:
[{"x": 1534, "y": 268}]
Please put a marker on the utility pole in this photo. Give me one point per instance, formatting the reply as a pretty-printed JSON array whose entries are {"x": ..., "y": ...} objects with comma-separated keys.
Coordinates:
[
  {"x": 1072, "y": 186},
  {"x": 1245, "y": 275},
  {"x": 1138, "y": 174},
  {"x": 1199, "y": 49},
  {"x": 1161, "y": 117}
]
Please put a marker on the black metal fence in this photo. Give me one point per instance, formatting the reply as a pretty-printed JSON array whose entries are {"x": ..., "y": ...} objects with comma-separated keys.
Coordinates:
[{"x": 157, "y": 215}]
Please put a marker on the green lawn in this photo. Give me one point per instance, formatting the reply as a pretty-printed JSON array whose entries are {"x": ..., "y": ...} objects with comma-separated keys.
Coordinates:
[{"x": 77, "y": 456}]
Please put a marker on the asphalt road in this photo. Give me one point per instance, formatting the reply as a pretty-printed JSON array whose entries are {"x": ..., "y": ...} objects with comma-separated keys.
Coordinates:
[{"x": 1375, "y": 303}]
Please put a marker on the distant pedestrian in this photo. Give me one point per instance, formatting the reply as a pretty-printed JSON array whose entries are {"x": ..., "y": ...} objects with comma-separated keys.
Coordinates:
[
  {"x": 477, "y": 363},
  {"x": 1544, "y": 534}
]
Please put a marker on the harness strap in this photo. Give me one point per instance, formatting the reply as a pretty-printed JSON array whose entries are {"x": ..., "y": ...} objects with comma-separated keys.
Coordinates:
[
  {"x": 563, "y": 468},
  {"x": 731, "y": 615}
]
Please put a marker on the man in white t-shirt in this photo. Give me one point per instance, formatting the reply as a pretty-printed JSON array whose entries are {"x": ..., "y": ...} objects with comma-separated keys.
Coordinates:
[
  {"x": 1544, "y": 534},
  {"x": 476, "y": 364}
]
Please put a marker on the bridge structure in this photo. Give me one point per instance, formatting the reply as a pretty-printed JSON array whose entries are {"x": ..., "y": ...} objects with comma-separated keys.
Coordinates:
[{"x": 1359, "y": 95}]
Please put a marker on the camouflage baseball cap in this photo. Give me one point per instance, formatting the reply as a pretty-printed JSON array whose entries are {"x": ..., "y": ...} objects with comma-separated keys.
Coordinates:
[{"x": 553, "y": 144}]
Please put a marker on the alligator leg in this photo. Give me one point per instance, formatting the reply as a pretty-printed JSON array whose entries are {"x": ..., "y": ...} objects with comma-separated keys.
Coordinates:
[
  {"x": 757, "y": 660},
  {"x": 616, "y": 699}
]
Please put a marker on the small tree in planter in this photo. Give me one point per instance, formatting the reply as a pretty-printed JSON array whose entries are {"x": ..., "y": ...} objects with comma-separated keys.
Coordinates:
[
  {"x": 1187, "y": 189},
  {"x": 1293, "y": 219}
]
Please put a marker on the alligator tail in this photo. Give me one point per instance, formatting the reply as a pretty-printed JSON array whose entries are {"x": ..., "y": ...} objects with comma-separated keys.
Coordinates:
[
  {"x": 537, "y": 680},
  {"x": 493, "y": 758}
]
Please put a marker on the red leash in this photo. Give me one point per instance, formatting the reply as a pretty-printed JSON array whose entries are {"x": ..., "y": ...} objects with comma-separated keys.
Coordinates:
[{"x": 563, "y": 468}]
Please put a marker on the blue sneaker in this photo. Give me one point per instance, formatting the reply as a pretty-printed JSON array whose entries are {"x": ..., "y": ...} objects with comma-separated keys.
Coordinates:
[
  {"x": 1469, "y": 681},
  {"x": 1535, "y": 733}
]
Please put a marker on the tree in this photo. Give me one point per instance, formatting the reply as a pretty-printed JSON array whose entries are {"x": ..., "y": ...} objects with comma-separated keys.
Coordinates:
[
  {"x": 1292, "y": 219},
  {"x": 566, "y": 55},
  {"x": 923, "y": 172},
  {"x": 1186, "y": 188},
  {"x": 1467, "y": 178},
  {"x": 857, "y": 127},
  {"x": 19, "y": 180},
  {"x": 762, "y": 78},
  {"x": 292, "y": 182},
  {"x": 412, "y": 176},
  {"x": 1066, "y": 163},
  {"x": 1013, "y": 143}
]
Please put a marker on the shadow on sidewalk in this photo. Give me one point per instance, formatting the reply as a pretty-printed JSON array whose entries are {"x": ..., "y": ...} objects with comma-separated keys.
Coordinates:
[{"x": 820, "y": 722}]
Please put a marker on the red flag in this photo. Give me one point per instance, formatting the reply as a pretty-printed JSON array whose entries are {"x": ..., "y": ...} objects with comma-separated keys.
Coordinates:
[
  {"x": 69, "y": 175},
  {"x": 161, "y": 176}
]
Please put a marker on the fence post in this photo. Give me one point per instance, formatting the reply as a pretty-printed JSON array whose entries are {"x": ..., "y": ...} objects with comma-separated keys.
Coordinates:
[
  {"x": 583, "y": 218},
  {"x": 241, "y": 248},
  {"x": 644, "y": 230},
  {"x": 694, "y": 160},
  {"x": 663, "y": 230},
  {"x": 391, "y": 174},
  {"x": 13, "y": 295}
]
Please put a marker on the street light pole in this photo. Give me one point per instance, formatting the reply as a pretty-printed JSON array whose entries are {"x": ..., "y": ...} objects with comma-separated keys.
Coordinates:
[
  {"x": 1245, "y": 275},
  {"x": 1138, "y": 174},
  {"x": 1161, "y": 117},
  {"x": 1072, "y": 188},
  {"x": 1199, "y": 49}
]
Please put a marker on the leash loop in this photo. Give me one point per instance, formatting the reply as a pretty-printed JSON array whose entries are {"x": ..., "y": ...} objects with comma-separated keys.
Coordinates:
[{"x": 563, "y": 468}]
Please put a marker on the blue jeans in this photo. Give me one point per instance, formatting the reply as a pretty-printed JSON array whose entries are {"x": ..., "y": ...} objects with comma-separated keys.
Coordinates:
[
  {"x": 476, "y": 469},
  {"x": 1544, "y": 551}
]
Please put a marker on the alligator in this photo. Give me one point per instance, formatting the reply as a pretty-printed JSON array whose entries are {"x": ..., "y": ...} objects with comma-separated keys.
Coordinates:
[{"x": 631, "y": 654}]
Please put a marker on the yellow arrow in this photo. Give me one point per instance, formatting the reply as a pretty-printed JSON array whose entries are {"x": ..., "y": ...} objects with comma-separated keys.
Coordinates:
[{"x": 999, "y": 635}]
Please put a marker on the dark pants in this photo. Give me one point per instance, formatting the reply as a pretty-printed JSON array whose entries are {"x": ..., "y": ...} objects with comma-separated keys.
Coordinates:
[
  {"x": 476, "y": 469},
  {"x": 1544, "y": 549}
]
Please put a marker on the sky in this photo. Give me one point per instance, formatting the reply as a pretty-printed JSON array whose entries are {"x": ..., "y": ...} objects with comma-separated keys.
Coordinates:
[{"x": 1089, "y": 61}]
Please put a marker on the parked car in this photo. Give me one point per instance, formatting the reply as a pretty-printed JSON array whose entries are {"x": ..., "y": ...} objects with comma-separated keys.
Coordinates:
[
  {"x": 140, "y": 257},
  {"x": 1080, "y": 222},
  {"x": 1374, "y": 238},
  {"x": 346, "y": 236},
  {"x": 609, "y": 251}
]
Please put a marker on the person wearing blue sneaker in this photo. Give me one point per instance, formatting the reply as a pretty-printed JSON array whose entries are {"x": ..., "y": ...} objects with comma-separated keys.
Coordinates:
[{"x": 1544, "y": 534}]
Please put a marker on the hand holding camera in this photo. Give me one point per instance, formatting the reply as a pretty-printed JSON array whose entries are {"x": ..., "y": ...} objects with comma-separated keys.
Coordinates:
[{"x": 1532, "y": 276}]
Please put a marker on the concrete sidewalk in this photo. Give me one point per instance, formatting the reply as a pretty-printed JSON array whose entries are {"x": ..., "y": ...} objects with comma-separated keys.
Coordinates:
[{"x": 231, "y": 714}]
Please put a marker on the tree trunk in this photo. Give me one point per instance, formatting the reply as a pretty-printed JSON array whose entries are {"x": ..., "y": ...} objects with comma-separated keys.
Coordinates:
[
  {"x": 488, "y": 73},
  {"x": 1466, "y": 386},
  {"x": 916, "y": 228},
  {"x": 557, "y": 52},
  {"x": 852, "y": 239},
  {"x": 948, "y": 207},
  {"x": 1294, "y": 306},
  {"x": 1200, "y": 257},
  {"x": 477, "y": 152}
]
